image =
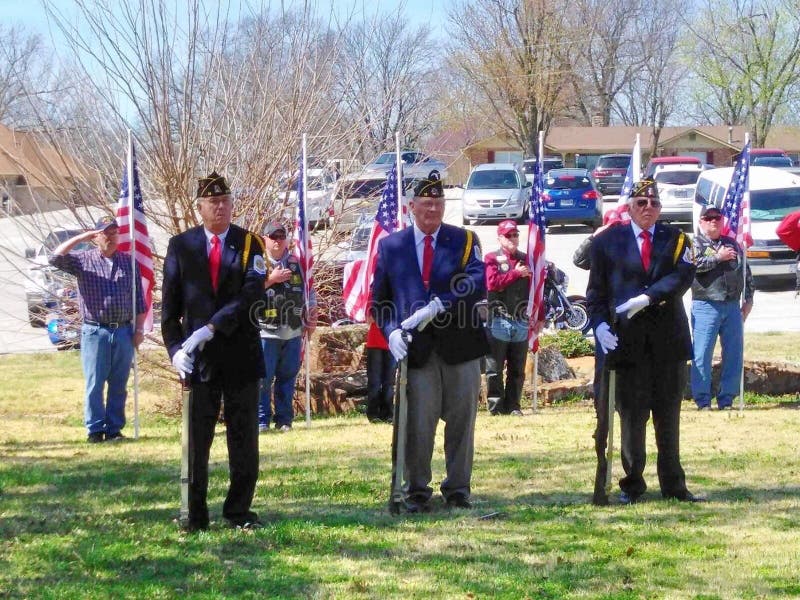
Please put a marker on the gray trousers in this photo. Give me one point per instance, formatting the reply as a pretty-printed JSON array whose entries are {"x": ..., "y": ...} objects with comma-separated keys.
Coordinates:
[{"x": 450, "y": 393}]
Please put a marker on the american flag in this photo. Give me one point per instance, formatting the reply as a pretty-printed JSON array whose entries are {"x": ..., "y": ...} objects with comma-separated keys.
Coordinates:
[
  {"x": 631, "y": 175},
  {"x": 142, "y": 252},
  {"x": 358, "y": 274},
  {"x": 736, "y": 206},
  {"x": 536, "y": 259},
  {"x": 302, "y": 247}
]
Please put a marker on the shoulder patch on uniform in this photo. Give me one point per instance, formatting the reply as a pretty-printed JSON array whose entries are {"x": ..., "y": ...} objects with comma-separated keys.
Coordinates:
[
  {"x": 688, "y": 255},
  {"x": 477, "y": 252},
  {"x": 258, "y": 265}
]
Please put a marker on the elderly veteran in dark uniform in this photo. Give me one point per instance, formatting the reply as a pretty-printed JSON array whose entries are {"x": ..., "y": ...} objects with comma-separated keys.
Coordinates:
[
  {"x": 213, "y": 284},
  {"x": 428, "y": 280},
  {"x": 508, "y": 282},
  {"x": 718, "y": 310},
  {"x": 638, "y": 276},
  {"x": 108, "y": 333}
]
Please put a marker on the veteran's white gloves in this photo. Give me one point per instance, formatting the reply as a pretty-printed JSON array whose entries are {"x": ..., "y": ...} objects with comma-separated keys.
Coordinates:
[
  {"x": 423, "y": 315},
  {"x": 604, "y": 337},
  {"x": 183, "y": 363},
  {"x": 397, "y": 345},
  {"x": 197, "y": 340},
  {"x": 634, "y": 305}
]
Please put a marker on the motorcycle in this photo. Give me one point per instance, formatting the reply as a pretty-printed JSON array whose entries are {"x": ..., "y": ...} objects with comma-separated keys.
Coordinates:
[
  {"x": 563, "y": 311},
  {"x": 64, "y": 323}
]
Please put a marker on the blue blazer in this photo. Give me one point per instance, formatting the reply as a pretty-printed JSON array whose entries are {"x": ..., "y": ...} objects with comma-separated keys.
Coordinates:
[
  {"x": 188, "y": 302},
  {"x": 458, "y": 334},
  {"x": 660, "y": 332}
]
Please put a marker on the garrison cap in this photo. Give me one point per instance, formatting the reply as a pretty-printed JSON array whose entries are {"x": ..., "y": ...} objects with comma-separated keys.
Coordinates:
[
  {"x": 431, "y": 187},
  {"x": 646, "y": 188},
  {"x": 212, "y": 185}
]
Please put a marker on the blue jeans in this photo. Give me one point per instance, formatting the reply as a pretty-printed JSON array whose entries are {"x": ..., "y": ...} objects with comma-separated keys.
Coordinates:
[
  {"x": 709, "y": 320},
  {"x": 106, "y": 356},
  {"x": 282, "y": 364}
]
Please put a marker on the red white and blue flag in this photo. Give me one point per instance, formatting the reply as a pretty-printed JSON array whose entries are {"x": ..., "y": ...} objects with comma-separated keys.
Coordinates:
[
  {"x": 536, "y": 260},
  {"x": 358, "y": 274},
  {"x": 736, "y": 206},
  {"x": 133, "y": 218},
  {"x": 302, "y": 247},
  {"x": 631, "y": 176}
]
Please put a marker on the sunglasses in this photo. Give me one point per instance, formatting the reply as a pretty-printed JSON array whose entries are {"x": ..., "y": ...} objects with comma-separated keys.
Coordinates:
[
  {"x": 712, "y": 218},
  {"x": 511, "y": 235},
  {"x": 654, "y": 202},
  {"x": 277, "y": 236}
]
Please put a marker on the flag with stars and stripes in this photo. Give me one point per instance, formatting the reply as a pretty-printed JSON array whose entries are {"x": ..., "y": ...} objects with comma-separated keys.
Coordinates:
[
  {"x": 131, "y": 217},
  {"x": 536, "y": 260},
  {"x": 302, "y": 246},
  {"x": 359, "y": 274},
  {"x": 736, "y": 206},
  {"x": 631, "y": 176}
]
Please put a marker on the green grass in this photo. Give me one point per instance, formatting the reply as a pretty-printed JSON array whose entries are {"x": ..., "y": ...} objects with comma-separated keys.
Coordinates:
[{"x": 95, "y": 521}]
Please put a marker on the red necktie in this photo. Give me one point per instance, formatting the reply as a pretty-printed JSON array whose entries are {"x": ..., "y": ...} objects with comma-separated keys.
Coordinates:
[
  {"x": 427, "y": 261},
  {"x": 647, "y": 248},
  {"x": 214, "y": 258}
]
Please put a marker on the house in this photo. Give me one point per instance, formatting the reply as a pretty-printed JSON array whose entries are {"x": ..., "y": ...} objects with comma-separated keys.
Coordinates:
[
  {"x": 580, "y": 146},
  {"x": 34, "y": 175}
]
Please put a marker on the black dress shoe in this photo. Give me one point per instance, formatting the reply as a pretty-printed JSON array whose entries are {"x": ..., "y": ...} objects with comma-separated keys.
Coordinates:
[
  {"x": 600, "y": 499},
  {"x": 688, "y": 497},
  {"x": 245, "y": 524},
  {"x": 626, "y": 498},
  {"x": 95, "y": 438},
  {"x": 458, "y": 500},
  {"x": 193, "y": 526},
  {"x": 417, "y": 505}
]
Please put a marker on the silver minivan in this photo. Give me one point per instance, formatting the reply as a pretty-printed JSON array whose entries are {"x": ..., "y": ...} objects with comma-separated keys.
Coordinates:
[{"x": 496, "y": 191}]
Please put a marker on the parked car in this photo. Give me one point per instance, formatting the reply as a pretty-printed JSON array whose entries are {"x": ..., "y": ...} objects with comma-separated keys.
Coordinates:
[
  {"x": 774, "y": 193},
  {"x": 496, "y": 191},
  {"x": 356, "y": 199},
  {"x": 571, "y": 197},
  {"x": 609, "y": 173},
  {"x": 762, "y": 157},
  {"x": 548, "y": 163},
  {"x": 655, "y": 164},
  {"x": 676, "y": 185},
  {"x": 415, "y": 164},
  {"x": 319, "y": 195},
  {"x": 42, "y": 281}
]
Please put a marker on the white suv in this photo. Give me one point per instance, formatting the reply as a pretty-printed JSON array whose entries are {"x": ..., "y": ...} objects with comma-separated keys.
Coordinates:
[
  {"x": 496, "y": 191},
  {"x": 676, "y": 185}
]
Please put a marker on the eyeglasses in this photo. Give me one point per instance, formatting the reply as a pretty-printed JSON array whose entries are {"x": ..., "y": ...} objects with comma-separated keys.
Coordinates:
[
  {"x": 712, "y": 218},
  {"x": 277, "y": 236},
  {"x": 654, "y": 202},
  {"x": 514, "y": 234}
]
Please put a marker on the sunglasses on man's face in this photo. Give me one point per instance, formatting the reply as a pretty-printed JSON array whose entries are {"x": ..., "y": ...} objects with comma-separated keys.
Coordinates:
[
  {"x": 712, "y": 218},
  {"x": 277, "y": 236},
  {"x": 513, "y": 234},
  {"x": 654, "y": 202}
]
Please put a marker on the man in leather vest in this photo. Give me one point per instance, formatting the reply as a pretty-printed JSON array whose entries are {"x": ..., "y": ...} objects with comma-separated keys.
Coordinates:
[
  {"x": 508, "y": 282},
  {"x": 283, "y": 323}
]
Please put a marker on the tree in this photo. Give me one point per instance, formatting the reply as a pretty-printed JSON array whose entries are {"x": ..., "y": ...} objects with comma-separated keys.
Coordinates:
[
  {"x": 24, "y": 74},
  {"x": 747, "y": 56},
  {"x": 512, "y": 54}
]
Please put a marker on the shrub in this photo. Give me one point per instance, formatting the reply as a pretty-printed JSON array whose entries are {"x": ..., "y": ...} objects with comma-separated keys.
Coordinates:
[{"x": 570, "y": 343}]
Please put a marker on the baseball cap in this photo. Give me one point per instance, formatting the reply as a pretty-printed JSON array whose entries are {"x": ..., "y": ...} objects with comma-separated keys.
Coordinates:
[
  {"x": 106, "y": 222},
  {"x": 274, "y": 227},
  {"x": 709, "y": 208},
  {"x": 506, "y": 226}
]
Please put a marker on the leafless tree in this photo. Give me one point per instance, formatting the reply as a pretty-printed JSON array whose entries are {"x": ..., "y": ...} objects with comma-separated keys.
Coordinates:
[
  {"x": 747, "y": 61},
  {"x": 513, "y": 54}
]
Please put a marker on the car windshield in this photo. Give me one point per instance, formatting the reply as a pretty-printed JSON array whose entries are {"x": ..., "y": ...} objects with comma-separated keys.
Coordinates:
[
  {"x": 771, "y": 161},
  {"x": 549, "y": 164},
  {"x": 773, "y": 205},
  {"x": 361, "y": 188},
  {"x": 567, "y": 182},
  {"x": 613, "y": 162},
  {"x": 387, "y": 158},
  {"x": 678, "y": 177},
  {"x": 490, "y": 180}
]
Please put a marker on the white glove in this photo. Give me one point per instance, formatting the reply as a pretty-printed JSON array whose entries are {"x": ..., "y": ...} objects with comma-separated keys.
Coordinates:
[
  {"x": 183, "y": 363},
  {"x": 397, "y": 345},
  {"x": 197, "y": 340},
  {"x": 421, "y": 317},
  {"x": 634, "y": 305},
  {"x": 604, "y": 337}
]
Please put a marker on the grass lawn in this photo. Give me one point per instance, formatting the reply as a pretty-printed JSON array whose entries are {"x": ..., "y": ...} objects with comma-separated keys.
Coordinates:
[{"x": 95, "y": 521}]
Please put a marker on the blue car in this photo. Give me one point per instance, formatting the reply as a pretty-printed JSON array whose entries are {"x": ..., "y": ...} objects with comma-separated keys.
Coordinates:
[{"x": 571, "y": 198}]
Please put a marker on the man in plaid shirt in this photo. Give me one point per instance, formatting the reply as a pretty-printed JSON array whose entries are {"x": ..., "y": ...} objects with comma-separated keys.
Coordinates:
[{"x": 110, "y": 330}]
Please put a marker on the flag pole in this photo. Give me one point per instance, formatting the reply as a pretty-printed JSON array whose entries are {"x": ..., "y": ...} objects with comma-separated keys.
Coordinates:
[
  {"x": 398, "y": 163},
  {"x": 306, "y": 295},
  {"x": 744, "y": 282},
  {"x": 132, "y": 235},
  {"x": 540, "y": 165}
]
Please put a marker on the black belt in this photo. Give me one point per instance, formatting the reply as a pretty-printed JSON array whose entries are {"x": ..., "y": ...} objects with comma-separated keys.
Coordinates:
[{"x": 111, "y": 325}]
